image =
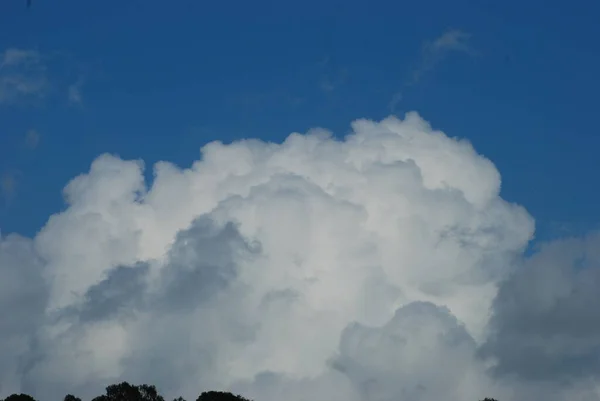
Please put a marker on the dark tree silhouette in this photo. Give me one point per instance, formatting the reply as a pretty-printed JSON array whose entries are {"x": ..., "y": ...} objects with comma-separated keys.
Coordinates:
[
  {"x": 19, "y": 397},
  {"x": 127, "y": 392},
  {"x": 220, "y": 396}
]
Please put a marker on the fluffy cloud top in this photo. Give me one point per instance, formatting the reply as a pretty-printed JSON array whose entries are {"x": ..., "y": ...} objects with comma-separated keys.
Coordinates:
[{"x": 363, "y": 268}]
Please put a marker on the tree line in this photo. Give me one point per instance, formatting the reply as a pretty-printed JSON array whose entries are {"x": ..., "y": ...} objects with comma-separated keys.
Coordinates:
[{"x": 128, "y": 392}]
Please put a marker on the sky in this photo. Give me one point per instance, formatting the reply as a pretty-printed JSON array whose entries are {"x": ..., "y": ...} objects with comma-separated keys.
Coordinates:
[{"x": 348, "y": 200}]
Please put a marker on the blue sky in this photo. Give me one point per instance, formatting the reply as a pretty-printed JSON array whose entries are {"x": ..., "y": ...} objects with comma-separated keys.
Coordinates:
[{"x": 148, "y": 80}]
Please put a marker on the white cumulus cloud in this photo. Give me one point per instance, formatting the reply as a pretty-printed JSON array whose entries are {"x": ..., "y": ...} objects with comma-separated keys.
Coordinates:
[{"x": 362, "y": 268}]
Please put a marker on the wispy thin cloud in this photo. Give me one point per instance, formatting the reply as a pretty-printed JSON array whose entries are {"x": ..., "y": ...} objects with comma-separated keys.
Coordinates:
[
  {"x": 32, "y": 139},
  {"x": 27, "y": 76},
  {"x": 11, "y": 176},
  {"x": 13, "y": 56},
  {"x": 396, "y": 99},
  {"x": 74, "y": 92},
  {"x": 22, "y": 75},
  {"x": 433, "y": 52},
  {"x": 327, "y": 85},
  {"x": 8, "y": 184},
  {"x": 332, "y": 77}
]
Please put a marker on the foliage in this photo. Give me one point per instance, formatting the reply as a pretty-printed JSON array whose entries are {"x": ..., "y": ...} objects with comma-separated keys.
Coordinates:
[
  {"x": 128, "y": 392},
  {"x": 19, "y": 397},
  {"x": 219, "y": 396}
]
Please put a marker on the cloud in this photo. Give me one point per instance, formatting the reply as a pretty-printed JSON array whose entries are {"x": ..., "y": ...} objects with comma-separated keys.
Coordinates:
[
  {"x": 74, "y": 92},
  {"x": 18, "y": 57},
  {"x": 9, "y": 178},
  {"x": 433, "y": 52},
  {"x": 22, "y": 80},
  {"x": 22, "y": 76},
  {"x": 32, "y": 139},
  {"x": 27, "y": 75},
  {"x": 422, "y": 353},
  {"x": 544, "y": 325},
  {"x": 356, "y": 268},
  {"x": 331, "y": 76},
  {"x": 8, "y": 183},
  {"x": 396, "y": 99},
  {"x": 23, "y": 297}
]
